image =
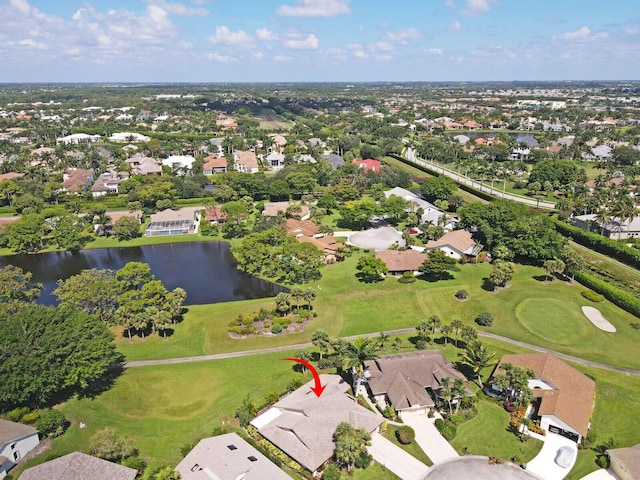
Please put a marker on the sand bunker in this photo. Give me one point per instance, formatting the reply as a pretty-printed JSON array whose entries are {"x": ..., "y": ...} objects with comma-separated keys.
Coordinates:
[{"x": 595, "y": 317}]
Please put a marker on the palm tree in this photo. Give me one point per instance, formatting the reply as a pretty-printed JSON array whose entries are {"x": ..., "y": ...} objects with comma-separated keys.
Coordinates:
[
  {"x": 446, "y": 330},
  {"x": 166, "y": 473},
  {"x": 422, "y": 328},
  {"x": 356, "y": 353},
  {"x": 446, "y": 392},
  {"x": 456, "y": 326},
  {"x": 459, "y": 390},
  {"x": 468, "y": 333},
  {"x": 296, "y": 294},
  {"x": 321, "y": 339},
  {"x": 383, "y": 338},
  {"x": 283, "y": 301},
  {"x": 308, "y": 294},
  {"x": 603, "y": 218},
  {"x": 434, "y": 322},
  {"x": 477, "y": 356}
]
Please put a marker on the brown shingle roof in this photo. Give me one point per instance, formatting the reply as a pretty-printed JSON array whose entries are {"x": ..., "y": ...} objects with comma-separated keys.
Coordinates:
[
  {"x": 214, "y": 161},
  {"x": 403, "y": 377},
  {"x": 301, "y": 227},
  {"x": 629, "y": 457},
  {"x": 328, "y": 244},
  {"x": 459, "y": 240},
  {"x": 79, "y": 466},
  {"x": 10, "y": 431},
  {"x": 402, "y": 260},
  {"x": 573, "y": 399}
]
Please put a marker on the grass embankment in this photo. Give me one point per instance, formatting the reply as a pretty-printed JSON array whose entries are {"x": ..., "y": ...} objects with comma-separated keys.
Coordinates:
[
  {"x": 548, "y": 315},
  {"x": 412, "y": 449}
]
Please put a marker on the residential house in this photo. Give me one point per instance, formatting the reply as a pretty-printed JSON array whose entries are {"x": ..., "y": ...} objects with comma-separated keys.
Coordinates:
[
  {"x": 400, "y": 261},
  {"x": 328, "y": 245},
  {"x": 10, "y": 176},
  {"x": 625, "y": 462},
  {"x": 305, "y": 228},
  {"x": 616, "y": 228},
  {"x": 108, "y": 182},
  {"x": 227, "y": 457},
  {"x": 174, "y": 222},
  {"x": 430, "y": 214},
  {"x": 409, "y": 381},
  {"x": 563, "y": 397},
  {"x": 273, "y": 209},
  {"x": 128, "y": 137},
  {"x": 76, "y": 180},
  {"x": 368, "y": 165},
  {"x": 113, "y": 218},
  {"x": 215, "y": 215},
  {"x": 16, "y": 440},
  {"x": 278, "y": 142},
  {"x": 246, "y": 162},
  {"x": 175, "y": 162},
  {"x": 302, "y": 424},
  {"x": 456, "y": 244},
  {"x": 76, "y": 138},
  {"x": 214, "y": 164},
  {"x": 336, "y": 161},
  {"x": 275, "y": 160},
  {"x": 79, "y": 466},
  {"x": 141, "y": 165}
]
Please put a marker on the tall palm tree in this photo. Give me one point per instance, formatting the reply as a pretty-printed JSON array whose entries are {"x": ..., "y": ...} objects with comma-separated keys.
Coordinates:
[
  {"x": 296, "y": 294},
  {"x": 446, "y": 330},
  {"x": 434, "y": 322},
  {"x": 321, "y": 340},
  {"x": 446, "y": 392},
  {"x": 422, "y": 328},
  {"x": 356, "y": 353},
  {"x": 477, "y": 357},
  {"x": 456, "y": 326}
]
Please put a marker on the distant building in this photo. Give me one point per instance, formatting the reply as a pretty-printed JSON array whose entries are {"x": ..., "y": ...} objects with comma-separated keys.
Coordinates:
[
  {"x": 368, "y": 165},
  {"x": 128, "y": 137},
  {"x": 173, "y": 222},
  {"x": 77, "y": 138},
  {"x": 76, "y": 180},
  {"x": 179, "y": 161},
  {"x": 141, "y": 165},
  {"x": 400, "y": 261}
]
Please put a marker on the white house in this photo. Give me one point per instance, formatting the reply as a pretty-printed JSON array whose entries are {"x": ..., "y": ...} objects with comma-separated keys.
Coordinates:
[
  {"x": 77, "y": 138},
  {"x": 128, "y": 137},
  {"x": 16, "y": 440},
  {"x": 275, "y": 160},
  {"x": 179, "y": 161},
  {"x": 457, "y": 244}
]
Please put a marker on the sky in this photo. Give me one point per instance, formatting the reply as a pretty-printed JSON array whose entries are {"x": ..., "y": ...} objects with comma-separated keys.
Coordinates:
[{"x": 318, "y": 40}]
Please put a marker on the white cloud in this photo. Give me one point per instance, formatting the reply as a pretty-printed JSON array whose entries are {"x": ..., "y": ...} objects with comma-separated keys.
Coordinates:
[
  {"x": 455, "y": 27},
  {"x": 240, "y": 39},
  {"x": 179, "y": 8},
  {"x": 257, "y": 55},
  {"x": 315, "y": 8},
  {"x": 220, "y": 58},
  {"x": 384, "y": 46},
  {"x": 581, "y": 35},
  {"x": 309, "y": 43},
  {"x": 632, "y": 31},
  {"x": 383, "y": 58},
  {"x": 450, "y": 4},
  {"x": 282, "y": 58},
  {"x": 434, "y": 51},
  {"x": 265, "y": 34},
  {"x": 410, "y": 33},
  {"x": 29, "y": 43},
  {"x": 474, "y": 8},
  {"x": 359, "y": 54}
]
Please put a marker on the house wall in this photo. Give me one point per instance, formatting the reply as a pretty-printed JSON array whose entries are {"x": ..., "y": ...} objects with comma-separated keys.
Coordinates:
[
  {"x": 548, "y": 420},
  {"x": 450, "y": 252},
  {"x": 17, "y": 449},
  {"x": 415, "y": 410},
  {"x": 620, "y": 469}
]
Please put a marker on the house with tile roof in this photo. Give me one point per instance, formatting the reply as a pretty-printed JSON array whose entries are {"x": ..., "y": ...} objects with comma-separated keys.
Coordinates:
[
  {"x": 141, "y": 165},
  {"x": 302, "y": 424},
  {"x": 563, "y": 397},
  {"x": 79, "y": 466},
  {"x": 16, "y": 440},
  {"x": 400, "y": 261},
  {"x": 246, "y": 162},
  {"x": 368, "y": 165},
  {"x": 409, "y": 381},
  {"x": 76, "y": 180},
  {"x": 457, "y": 244},
  {"x": 625, "y": 462},
  {"x": 214, "y": 164},
  {"x": 227, "y": 457}
]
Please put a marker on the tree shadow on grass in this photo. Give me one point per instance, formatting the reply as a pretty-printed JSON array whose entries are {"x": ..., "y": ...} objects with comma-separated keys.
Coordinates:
[
  {"x": 487, "y": 285},
  {"x": 436, "y": 278},
  {"x": 541, "y": 278}
]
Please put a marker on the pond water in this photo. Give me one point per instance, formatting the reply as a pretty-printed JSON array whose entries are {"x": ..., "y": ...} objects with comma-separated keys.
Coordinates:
[{"x": 206, "y": 270}]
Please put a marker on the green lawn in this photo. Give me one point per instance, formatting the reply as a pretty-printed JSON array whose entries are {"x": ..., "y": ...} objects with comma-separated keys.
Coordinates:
[
  {"x": 412, "y": 449},
  {"x": 488, "y": 434},
  {"x": 548, "y": 315}
]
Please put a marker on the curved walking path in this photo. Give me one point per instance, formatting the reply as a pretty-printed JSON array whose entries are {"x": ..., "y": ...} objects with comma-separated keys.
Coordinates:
[
  {"x": 412, "y": 157},
  {"x": 399, "y": 331}
]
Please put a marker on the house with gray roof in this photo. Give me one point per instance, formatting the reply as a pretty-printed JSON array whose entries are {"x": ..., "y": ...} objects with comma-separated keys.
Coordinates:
[
  {"x": 302, "y": 424},
  {"x": 227, "y": 457},
  {"x": 16, "y": 440},
  {"x": 79, "y": 466},
  {"x": 335, "y": 160},
  {"x": 407, "y": 381}
]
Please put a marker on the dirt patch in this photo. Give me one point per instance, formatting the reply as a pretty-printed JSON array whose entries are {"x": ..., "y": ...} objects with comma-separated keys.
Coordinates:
[{"x": 595, "y": 317}]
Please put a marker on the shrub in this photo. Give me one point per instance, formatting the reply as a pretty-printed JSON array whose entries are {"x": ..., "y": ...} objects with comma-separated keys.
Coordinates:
[
  {"x": 363, "y": 461},
  {"x": 332, "y": 472},
  {"x": 276, "y": 328},
  {"x": 603, "y": 461},
  {"x": 509, "y": 407},
  {"x": 299, "y": 320},
  {"x": 485, "y": 319},
  {"x": 16, "y": 414},
  {"x": 284, "y": 321},
  {"x": 187, "y": 447},
  {"x": 52, "y": 423},
  {"x": 593, "y": 296},
  {"x": 139, "y": 464},
  {"x": 461, "y": 295},
  {"x": 267, "y": 324},
  {"x": 457, "y": 418},
  {"x": 431, "y": 413},
  {"x": 405, "y": 435},
  {"x": 304, "y": 313},
  {"x": 622, "y": 299},
  {"x": 448, "y": 431},
  {"x": 30, "y": 418},
  {"x": 421, "y": 344},
  {"x": 247, "y": 320},
  {"x": 407, "y": 277}
]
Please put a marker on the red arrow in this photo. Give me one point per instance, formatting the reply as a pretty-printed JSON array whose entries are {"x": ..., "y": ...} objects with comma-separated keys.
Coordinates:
[{"x": 318, "y": 388}]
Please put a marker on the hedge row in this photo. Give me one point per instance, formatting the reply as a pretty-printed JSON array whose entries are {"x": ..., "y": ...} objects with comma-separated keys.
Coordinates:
[
  {"x": 600, "y": 244},
  {"x": 622, "y": 299}
]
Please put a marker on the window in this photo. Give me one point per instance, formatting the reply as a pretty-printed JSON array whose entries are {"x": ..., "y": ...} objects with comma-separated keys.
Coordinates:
[
  {"x": 16, "y": 456},
  {"x": 252, "y": 458},
  {"x": 195, "y": 467},
  {"x": 232, "y": 447},
  {"x": 13, "y": 446}
]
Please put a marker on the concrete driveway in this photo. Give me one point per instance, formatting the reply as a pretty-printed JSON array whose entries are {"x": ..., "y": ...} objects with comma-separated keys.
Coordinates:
[
  {"x": 395, "y": 459},
  {"x": 600, "y": 475},
  {"x": 430, "y": 439},
  {"x": 544, "y": 464}
]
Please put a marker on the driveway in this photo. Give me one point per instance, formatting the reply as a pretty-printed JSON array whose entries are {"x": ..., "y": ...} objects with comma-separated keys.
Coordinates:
[
  {"x": 544, "y": 464},
  {"x": 600, "y": 475},
  {"x": 429, "y": 438},
  {"x": 395, "y": 459}
]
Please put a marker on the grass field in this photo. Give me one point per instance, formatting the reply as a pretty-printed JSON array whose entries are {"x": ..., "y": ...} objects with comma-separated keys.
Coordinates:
[
  {"x": 530, "y": 310},
  {"x": 270, "y": 120}
]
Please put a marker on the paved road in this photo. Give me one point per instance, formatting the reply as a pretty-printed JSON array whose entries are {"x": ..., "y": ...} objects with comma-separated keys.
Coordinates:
[
  {"x": 400, "y": 331},
  {"x": 413, "y": 158}
]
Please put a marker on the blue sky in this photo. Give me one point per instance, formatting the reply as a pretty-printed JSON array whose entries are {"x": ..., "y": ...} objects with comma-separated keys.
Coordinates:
[{"x": 318, "y": 40}]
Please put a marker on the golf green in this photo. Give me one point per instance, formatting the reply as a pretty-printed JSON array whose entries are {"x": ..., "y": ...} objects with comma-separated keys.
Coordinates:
[{"x": 553, "y": 320}]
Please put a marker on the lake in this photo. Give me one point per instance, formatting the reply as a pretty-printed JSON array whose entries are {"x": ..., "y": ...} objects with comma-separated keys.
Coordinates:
[{"x": 206, "y": 270}]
